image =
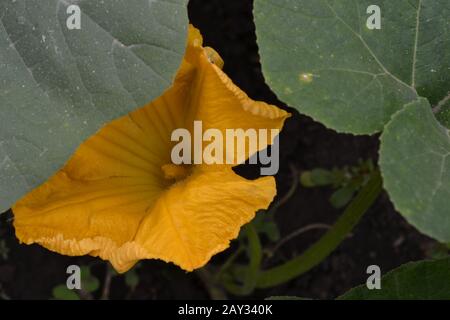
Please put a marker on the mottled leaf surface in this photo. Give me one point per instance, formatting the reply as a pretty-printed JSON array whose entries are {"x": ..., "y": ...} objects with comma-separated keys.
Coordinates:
[
  {"x": 423, "y": 280},
  {"x": 320, "y": 57},
  {"x": 415, "y": 163},
  {"x": 59, "y": 86}
]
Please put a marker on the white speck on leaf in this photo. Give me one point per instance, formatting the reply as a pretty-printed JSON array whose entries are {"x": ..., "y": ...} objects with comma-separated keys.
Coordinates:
[{"x": 306, "y": 77}]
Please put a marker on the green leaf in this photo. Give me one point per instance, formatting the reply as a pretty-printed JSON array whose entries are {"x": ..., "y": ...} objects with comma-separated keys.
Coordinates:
[
  {"x": 341, "y": 197},
  {"x": 320, "y": 57},
  {"x": 89, "y": 282},
  {"x": 421, "y": 280},
  {"x": 316, "y": 178},
  {"x": 415, "y": 164},
  {"x": 286, "y": 298},
  {"x": 62, "y": 293},
  {"x": 264, "y": 223},
  {"x": 59, "y": 86},
  {"x": 438, "y": 251},
  {"x": 132, "y": 279}
]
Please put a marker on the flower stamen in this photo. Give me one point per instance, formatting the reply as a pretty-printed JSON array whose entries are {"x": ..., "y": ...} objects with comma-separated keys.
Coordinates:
[{"x": 175, "y": 172}]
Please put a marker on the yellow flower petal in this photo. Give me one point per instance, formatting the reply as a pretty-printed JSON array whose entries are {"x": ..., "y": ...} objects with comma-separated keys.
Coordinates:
[
  {"x": 121, "y": 198},
  {"x": 122, "y": 223},
  {"x": 199, "y": 216},
  {"x": 217, "y": 101}
]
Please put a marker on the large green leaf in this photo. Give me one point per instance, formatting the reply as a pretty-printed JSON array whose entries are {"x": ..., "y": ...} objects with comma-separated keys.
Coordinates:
[
  {"x": 59, "y": 86},
  {"x": 320, "y": 57},
  {"x": 421, "y": 280},
  {"x": 415, "y": 163}
]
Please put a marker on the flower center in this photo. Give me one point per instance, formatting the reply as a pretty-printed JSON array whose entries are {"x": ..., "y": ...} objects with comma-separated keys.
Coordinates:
[{"x": 175, "y": 172}]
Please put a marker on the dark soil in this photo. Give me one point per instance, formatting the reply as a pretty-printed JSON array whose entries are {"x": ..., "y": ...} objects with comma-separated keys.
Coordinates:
[{"x": 383, "y": 237}]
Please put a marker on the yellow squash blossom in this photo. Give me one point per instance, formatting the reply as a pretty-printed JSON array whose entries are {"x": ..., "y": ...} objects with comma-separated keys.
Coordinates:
[{"x": 120, "y": 197}]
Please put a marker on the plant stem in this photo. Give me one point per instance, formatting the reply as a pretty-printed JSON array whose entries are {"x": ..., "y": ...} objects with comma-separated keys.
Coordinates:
[
  {"x": 215, "y": 293},
  {"x": 289, "y": 194},
  {"x": 228, "y": 263},
  {"x": 441, "y": 103},
  {"x": 107, "y": 284},
  {"x": 252, "y": 270},
  {"x": 3, "y": 295},
  {"x": 85, "y": 295},
  {"x": 330, "y": 241},
  {"x": 295, "y": 234}
]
